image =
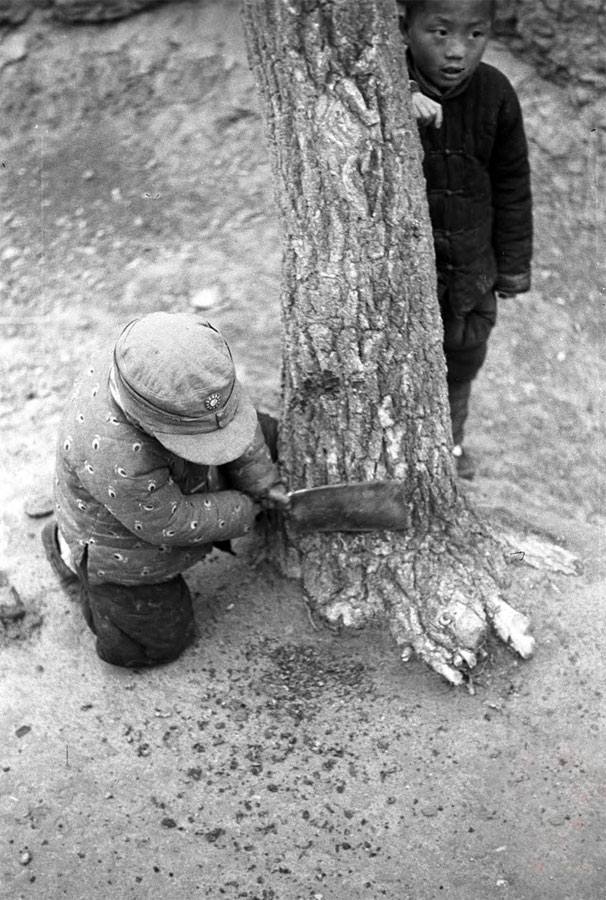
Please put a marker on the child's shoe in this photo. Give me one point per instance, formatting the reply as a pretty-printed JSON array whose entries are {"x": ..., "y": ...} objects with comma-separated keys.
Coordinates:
[
  {"x": 465, "y": 464},
  {"x": 53, "y": 554}
]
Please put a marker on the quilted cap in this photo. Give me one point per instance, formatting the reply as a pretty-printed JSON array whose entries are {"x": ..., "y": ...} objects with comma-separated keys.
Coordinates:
[{"x": 174, "y": 375}]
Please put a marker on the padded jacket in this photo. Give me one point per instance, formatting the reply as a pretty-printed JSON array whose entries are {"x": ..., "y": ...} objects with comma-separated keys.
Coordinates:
[
  {"x": 478, "y": 187},
  {"x": 143, "y": 514}
]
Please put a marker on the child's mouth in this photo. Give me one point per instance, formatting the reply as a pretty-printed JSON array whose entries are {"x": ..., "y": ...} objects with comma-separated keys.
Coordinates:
[{"x": 451, "y": 72}]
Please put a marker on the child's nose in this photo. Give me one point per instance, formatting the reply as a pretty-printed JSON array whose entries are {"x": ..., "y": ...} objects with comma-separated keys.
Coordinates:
[{"x": 455, "y": 49}]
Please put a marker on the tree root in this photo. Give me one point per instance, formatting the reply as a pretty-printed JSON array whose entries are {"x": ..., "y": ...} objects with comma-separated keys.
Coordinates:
[
  {"x": 540, "y": 554},
  {"x": 511, "y": 626},
  {"x": 440, "y": 596},
  {"x": 455, "y": 663}
]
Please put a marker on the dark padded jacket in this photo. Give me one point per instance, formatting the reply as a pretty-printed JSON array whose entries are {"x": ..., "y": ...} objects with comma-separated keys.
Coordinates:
[{"x": 478, "y": 187}]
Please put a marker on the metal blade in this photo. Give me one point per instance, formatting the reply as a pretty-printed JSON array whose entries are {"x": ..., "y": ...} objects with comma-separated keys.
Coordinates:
[{"x": 358, "y": 506}]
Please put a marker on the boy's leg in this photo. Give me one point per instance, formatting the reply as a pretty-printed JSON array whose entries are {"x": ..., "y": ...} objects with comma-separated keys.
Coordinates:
[
  {"x": 458, "y": 398},
  {"x": 141, "y": 625},
  {"x": 67, "y": 577},
  {"x": 465, "y": 348},
  {"x": 459, "y": 393},
  {"x": 50, "y": 542}
]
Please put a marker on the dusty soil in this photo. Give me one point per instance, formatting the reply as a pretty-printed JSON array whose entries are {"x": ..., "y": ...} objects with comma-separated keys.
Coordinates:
[{"x": 278, "y": 759}]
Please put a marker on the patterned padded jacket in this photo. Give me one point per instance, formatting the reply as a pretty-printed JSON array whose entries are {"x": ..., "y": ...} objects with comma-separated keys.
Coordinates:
[
  {"x": 142, "y": 513},
  {"x": 478, "y": 188}
]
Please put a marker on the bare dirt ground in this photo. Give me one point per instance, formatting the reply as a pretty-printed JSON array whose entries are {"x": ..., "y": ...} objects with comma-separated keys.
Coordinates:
[{"x": 275, "y": 759}]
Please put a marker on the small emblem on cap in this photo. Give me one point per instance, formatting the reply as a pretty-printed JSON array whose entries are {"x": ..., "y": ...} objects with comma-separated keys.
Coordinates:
[{"x": 212, "y": 401}]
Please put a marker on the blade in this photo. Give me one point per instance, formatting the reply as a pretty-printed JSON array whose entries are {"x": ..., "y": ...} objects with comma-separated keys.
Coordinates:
[{"x": 360, "y": 506}]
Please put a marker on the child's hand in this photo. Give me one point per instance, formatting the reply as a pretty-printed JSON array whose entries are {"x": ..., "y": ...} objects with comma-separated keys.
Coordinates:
[
  {"x": 276, "y": 498},
  {"x": 426, "y": 110}
]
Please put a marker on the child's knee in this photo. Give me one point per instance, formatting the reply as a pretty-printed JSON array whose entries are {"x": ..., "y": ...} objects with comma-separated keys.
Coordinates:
[
  {"x": 120, "y": 649},
  {"x": 141, "y": 626},
  {"x": 470, "y": 331},
  {"x": 116, "y": 648}
]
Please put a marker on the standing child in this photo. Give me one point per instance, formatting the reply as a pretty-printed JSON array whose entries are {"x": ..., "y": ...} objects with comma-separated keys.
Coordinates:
[
  {"x": 160, "y": 456},
  {"x": 478, "y": 182}
]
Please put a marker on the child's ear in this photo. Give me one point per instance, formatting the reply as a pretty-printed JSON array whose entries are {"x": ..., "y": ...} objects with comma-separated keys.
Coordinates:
[{"x": 401, "y": 11}]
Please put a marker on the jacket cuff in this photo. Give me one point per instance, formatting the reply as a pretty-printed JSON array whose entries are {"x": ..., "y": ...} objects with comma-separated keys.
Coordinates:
[{"x": 513, "y": 284}]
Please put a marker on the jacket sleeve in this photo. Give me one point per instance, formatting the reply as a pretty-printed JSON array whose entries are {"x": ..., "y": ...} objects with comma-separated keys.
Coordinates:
[
  {"x": 511, "y": 198},
  {"x": 253, "y": 472},
  {"x": 144, "y": 498}
]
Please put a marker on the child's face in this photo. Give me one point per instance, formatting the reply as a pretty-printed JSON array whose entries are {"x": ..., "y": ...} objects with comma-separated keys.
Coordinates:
[{"x": 447, "y": 39}]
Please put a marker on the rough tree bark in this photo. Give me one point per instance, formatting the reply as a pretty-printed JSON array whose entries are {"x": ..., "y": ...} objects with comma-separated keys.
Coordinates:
[{"x": 364, "y": 389}]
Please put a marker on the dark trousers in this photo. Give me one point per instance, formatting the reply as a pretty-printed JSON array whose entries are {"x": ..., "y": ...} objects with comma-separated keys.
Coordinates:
[
  {"x": 142, "y": 625},
  {"x": 465, "y": 347},
  {"x": 138, "y": 625},
  {"x": 135, "y": 625}
]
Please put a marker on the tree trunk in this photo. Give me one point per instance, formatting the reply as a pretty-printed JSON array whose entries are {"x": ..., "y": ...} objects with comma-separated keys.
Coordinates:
[{"x": 364, "y": 385}]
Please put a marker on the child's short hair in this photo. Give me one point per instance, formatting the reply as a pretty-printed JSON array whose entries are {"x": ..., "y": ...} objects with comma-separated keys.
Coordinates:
[{"x": 408, "y": 9}]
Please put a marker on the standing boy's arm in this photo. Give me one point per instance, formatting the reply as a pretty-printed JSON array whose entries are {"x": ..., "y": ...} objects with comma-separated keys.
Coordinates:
[{"x": 511, "y": 199}]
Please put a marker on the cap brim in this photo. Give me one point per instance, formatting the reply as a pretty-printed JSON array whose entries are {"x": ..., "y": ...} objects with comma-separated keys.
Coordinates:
[{"x": 216, "y": 447}]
